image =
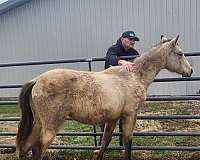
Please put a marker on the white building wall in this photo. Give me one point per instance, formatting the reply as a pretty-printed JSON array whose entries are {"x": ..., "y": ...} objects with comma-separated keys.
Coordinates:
[{"x": 68, "y": 29}]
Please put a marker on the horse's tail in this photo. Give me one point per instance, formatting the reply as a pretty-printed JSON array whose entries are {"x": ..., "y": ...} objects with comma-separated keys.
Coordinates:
[{"x": 26, "y": 121}]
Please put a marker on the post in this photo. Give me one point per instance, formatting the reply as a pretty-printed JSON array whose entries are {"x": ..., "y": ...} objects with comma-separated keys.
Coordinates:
[{"x": 94, "y": 127}]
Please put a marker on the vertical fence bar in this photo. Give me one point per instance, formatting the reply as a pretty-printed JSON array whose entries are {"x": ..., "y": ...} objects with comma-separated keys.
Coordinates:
[{"x": 94, "y": 127}]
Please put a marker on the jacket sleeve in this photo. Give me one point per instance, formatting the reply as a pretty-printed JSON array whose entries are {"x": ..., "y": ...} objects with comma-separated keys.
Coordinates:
[
  {"x": 135, "y": 52},
  {"x": 112, "y": 56}
]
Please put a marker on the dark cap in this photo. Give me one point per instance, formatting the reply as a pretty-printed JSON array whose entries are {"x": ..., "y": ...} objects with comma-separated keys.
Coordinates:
[{"x": 130, "y": 35}]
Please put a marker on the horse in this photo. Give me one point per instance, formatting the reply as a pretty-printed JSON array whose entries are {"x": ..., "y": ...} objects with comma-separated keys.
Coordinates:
[{"x": 92, "y": 98}]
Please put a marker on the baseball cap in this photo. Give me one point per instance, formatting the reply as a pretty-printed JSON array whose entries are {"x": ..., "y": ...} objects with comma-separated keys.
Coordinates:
[{"x": 130, "y": 35}]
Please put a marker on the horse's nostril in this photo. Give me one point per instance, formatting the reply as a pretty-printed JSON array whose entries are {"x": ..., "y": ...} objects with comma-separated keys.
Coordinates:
[{"x": 191, "y": 71}]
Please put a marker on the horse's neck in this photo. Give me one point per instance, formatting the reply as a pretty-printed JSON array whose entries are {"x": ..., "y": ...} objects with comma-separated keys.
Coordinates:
[{"x": 148, "y": 65}]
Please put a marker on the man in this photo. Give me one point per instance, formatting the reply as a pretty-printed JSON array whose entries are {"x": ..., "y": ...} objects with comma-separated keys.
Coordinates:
[{"x": 123, "y": 47}]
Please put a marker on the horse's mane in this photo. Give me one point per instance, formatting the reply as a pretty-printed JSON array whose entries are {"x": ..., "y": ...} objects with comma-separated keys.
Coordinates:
[
  {"x": 150, "y": 55},
  {"x": 155, "y": 47}
]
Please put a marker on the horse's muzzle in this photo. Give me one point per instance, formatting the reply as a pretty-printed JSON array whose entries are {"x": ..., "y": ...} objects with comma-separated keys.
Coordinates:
[{"x": 187, "y": 74}]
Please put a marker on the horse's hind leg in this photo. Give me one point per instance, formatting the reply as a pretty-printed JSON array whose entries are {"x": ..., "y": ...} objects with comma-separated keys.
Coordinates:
[
  {"x": 40, "y": 147},
  {"x": 36, "y": 151},
  {"x": 106, "y": 138},
  {"x": 30, "y": 141},
  {"x": 128, "y": 124}
]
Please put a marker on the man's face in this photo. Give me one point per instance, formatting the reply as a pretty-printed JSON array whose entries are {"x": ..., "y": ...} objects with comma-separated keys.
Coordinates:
[{"x": 127, "y": 43}]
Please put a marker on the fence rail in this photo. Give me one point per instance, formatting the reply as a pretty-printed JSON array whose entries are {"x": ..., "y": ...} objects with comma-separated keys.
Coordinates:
[{"x": 94, "y": 134}]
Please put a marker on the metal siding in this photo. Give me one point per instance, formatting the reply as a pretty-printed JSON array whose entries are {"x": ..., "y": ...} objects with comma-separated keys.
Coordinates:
[{"x": 67, "y": 29}]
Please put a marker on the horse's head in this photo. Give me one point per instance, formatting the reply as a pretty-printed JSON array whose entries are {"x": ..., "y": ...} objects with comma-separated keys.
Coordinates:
[{"x": 176, "y": 61}]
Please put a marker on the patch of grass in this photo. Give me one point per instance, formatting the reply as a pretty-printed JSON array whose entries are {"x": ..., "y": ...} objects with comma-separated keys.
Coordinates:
[
  {"x": 9, "y": 109},
  {"x": 152, "y": 107},
  {"x": 73, "y": 126}
]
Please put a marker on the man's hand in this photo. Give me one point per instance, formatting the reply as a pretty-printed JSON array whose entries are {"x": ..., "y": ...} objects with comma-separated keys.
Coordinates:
[{"x": 128, "y": 65}]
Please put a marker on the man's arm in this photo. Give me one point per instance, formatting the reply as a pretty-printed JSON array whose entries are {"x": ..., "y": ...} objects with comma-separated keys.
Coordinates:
[
  {"x": 135, "y": 52},
  {"x": 112, "y": 56}
]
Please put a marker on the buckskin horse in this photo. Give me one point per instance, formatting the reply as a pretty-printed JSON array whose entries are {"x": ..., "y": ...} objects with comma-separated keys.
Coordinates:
[{"x": 92, "y": 98}]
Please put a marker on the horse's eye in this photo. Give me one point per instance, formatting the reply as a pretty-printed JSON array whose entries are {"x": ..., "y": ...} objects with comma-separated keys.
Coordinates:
[{"x": 180, "y": 54}]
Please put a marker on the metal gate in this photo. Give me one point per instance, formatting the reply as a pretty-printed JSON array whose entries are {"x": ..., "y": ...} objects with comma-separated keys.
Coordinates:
[{"x": 94, "y": 133}]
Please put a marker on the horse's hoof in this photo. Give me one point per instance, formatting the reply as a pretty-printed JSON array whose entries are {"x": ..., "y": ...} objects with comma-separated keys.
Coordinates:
[
  {"x": 99, "y": 158},
  {"x": 22, "y": 157},
  {"x": 45, "y": 158},
  {"x": 96, "y": 151}
]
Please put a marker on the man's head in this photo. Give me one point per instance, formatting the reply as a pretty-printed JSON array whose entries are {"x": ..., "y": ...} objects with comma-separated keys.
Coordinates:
[{"x": 128, "y": 39}]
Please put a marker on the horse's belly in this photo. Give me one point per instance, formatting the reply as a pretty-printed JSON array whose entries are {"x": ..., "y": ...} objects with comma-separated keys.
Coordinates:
[
  {"x": 88, "y": 119},
  {"x": 95, "y": 111},
  {"x": 93, "y": 117}
]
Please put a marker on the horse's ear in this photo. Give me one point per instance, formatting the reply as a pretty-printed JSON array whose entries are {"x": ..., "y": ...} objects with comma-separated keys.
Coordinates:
[
  {"x": 177, "y": 39},
  {"x": 174, "y": 41},
  {"x": 163, "y": 38}
]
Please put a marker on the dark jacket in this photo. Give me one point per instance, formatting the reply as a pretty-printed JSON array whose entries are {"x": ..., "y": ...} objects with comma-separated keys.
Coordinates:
[{"x": 115, "y": 51}]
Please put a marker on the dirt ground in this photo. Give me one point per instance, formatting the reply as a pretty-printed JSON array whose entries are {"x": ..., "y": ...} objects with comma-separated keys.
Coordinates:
[
  {"x": 165, "y": 108},
  {"x": 10, "y": 155}
]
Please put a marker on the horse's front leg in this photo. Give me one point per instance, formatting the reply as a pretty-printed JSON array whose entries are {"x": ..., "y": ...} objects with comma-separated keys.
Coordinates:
[
  {"x": 106, "y": 138},
  {"x": 128, "y": 124}
]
